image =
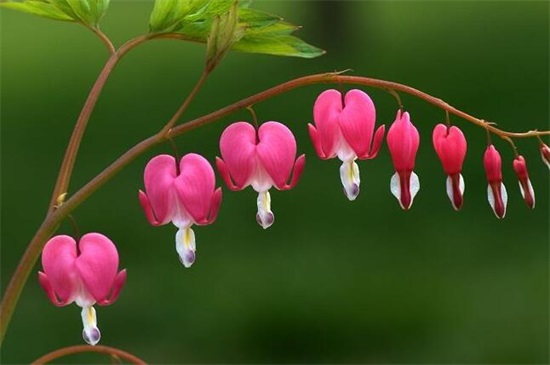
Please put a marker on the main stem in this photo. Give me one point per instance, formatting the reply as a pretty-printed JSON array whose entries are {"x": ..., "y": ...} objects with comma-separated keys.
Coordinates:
[{"x": 53, "y": 219}]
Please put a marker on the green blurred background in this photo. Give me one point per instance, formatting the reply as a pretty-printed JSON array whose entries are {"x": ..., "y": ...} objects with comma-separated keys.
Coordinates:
[{"x": 331, "y": 281}]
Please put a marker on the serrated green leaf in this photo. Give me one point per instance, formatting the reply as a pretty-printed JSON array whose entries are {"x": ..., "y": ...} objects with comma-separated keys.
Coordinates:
[
  {"x": 88, "y": 12},
  {"x": 260, "y": 32},
  {"x": 36, "y": 7},
  {"x": 278, "y": 45}
]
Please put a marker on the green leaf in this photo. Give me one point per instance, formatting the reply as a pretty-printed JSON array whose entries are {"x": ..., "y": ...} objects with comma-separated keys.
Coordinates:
[
  {"x": 88, "y": 12},
  {"x": 278, "y": 45},
  {"x": 259, "y": 32},
  {"x": 41, "y": 8}
]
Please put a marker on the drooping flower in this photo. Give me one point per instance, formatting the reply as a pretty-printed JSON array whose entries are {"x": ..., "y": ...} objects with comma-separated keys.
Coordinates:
[
  {"x": 262, "y": 159},
  {"x": 545, "y": 154},
  {"x": 84, "y": 273},
  {"x": 496, "y": 191},
  {"x": 527, "y": 192},
  {"x": 183, "y": 196},
  {"x": 344, "y": 128},
  {"x": 403, "y": 141},
  {"x": 450, "y": 146}
]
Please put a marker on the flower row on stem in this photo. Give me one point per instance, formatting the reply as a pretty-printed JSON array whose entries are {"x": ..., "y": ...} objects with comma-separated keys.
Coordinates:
[{"x": 54, "y": 218}]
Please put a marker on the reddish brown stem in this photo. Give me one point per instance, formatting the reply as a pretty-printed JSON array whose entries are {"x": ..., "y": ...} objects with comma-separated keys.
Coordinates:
[
  {"x": 66, "y": 351},
  {"x": 66, "y": 169}
]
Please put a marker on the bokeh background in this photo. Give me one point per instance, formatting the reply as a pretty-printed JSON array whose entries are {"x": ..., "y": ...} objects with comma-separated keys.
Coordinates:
[{"x": 331, "y": 281}]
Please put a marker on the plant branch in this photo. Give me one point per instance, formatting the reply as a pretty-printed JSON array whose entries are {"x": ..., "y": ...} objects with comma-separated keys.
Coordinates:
[
  {"x": 53, "y": 219},
  {"x": 71, "y": 350},
  {"x": 177, "y": 115},
  {"x": 110, "y": 47},
  {"x": 67, "y": 165}
]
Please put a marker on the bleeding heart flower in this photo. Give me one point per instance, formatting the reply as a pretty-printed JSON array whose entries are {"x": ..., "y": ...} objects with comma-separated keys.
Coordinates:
[
  {"x": 545, "y": 154},
  {"x": 496, "y": 191},
  {"x": 527, "y": 192},
  {"x": 84, "y": 273},
  {"x": 344, "y": 128},
  {"x": 262, "y": 160},
  {"x": 403, "y": 141},
  {"x": 450, "y": 145},
  {"x": 183, "y": 196}
]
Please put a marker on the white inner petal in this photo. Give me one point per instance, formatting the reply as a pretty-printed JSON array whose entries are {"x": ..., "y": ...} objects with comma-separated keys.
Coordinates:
[
  {"x": 349, "y": 175},
  {"x": 395, "y": 187},
  {"x": 186, "y": 246},
  {"x": 90, "y": 333},
  {"x": 260, "y": 179},
  {"x": 414, "y": 185},
  {"x": 450, "y": 192},
  {"x": 265, "y": 216}
]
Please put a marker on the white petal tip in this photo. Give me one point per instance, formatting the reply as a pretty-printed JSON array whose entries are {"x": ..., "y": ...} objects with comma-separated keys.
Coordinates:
[
  {"x": 498, "y": 205},
  {"x": 186, "y": 246},
  {"x": 265, "y": 220},
  {"x": 351, "y": 192},
  {"x": 405, "y": 198},
  {"x": 455, "y": 191},
  {"x": 187, "y": 259},
  {"x": 91, "y": 335},
  {"x": 349, "y": 176}
]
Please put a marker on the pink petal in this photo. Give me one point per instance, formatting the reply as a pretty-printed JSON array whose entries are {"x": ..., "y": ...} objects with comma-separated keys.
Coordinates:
[
  {"x": 326, "y": 111},
  {"x": 195, "y": 186},
  {"x": 48, "y": 288},
  {"x": 97, "y": 264},
  {"x": 403, "y": 141},
  {"x": 357, "y": 121},
  {"x": 146, "y": 205},
  {"x": 450, "y": 146},
  {"x": 118, "y": 284},
  {"x": 222, "y": 169},
  {"x": 238, "y": 146},
  {"x": 276, "y": 151},
  {"x": 58, "y": 260},
  {"x": 377, "y": 143},
  {"x": 159, "y": 204},
  {"x": 316, "y": 140},
  {"x": 215, "y": 205},
  {"x": 493, "y": 165},
  {"x": 297, "y": 173},
  {"x": 526, "y": 188}
]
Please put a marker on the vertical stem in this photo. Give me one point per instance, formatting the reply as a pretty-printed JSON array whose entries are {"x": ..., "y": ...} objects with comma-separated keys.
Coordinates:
[
  {"x": 69, "y": 158},
  {"x": 66, "y": 169}
]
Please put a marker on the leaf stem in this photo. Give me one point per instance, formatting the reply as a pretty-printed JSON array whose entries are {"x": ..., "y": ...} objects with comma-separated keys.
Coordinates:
[
  {"x": 54, "y": 218},
  {"x": 177, "y": 115},
  {"x": 71, "y": 350},
  {"x": 110, "y": 47}
]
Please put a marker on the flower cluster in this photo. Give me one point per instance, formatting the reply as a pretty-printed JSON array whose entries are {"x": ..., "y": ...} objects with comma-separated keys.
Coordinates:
[{"x": 185, "y": 194}]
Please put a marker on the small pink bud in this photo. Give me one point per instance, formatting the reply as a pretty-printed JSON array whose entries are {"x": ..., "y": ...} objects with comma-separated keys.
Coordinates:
[
  {"x": 527, "y": 192},
  {"x": 496, "y": 191},
  {"x": 545, "y": 154},
  {"x": 403, "y": 141},
  {"x": 450, "y": 145},
  {"x": 84, "y": 273}
]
